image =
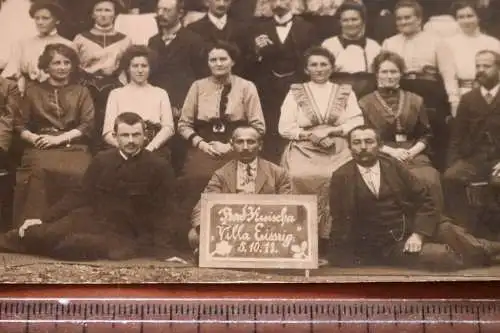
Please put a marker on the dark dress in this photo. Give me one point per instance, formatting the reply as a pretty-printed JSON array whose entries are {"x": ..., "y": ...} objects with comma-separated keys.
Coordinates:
[
  {"x": 44, "y": 175},
  {"x": 380, "y": 110}
]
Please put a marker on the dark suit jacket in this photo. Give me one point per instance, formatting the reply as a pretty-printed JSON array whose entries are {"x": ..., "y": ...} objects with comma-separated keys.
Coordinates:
[
  {"x": 179, "y": 64},
  {"x": 474, "y": 115},
  {"x": 234, "y": 32},
  {"x": 412, "y": 197},
  {"x": 10, "y": 99},
  {"x": 270, "y": 179},
  {"x": 302, "y": 33},
  {"x": 135, "y": 194}
]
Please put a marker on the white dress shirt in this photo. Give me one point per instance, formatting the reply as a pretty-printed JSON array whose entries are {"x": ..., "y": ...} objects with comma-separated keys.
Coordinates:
[
  {"x": 371, "y": 177},
  {"x": 284, "y": 31},
  {"x": 246, "y": 181},
  {"x": 492, "y": 92},
  {"x": 426, "y": 49},
  {"x": 220, "y": 23},
  {"x": 353, "y": 58}
]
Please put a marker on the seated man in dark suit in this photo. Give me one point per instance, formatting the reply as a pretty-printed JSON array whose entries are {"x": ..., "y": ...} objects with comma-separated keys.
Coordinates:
[
  {"x": 121, "y": 210},
  {"x": 475, "y": 141},
  {"x": 247, "y": 173},
  {"x": 382, "y": 215}
]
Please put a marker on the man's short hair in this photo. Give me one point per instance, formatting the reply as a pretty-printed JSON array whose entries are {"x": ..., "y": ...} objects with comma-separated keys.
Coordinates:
[
  {"x": 129, "y": 118},
  {"x": 363, "y": 128},
  {"x": 494, "y": 53},
  {"x": 259, "y": 135}
]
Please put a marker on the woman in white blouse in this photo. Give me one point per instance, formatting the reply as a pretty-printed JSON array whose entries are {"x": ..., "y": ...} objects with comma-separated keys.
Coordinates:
[
  {"x": 467, "y": 43},
  {"x": 315, "y": 117},
  {"x": 138, "y": 96},
  {"x": 23, "y": 61},
  {"x": 354, "y": 53}
]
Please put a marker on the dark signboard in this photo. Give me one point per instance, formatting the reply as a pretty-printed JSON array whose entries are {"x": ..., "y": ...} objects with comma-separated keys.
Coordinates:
[{"x": 259, "y": 231}]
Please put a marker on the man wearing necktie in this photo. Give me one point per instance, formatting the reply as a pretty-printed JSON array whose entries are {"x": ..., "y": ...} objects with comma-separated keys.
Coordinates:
[
  {"x": 474, "y": 150},
  {"x": 122, "y": 209},
  {"x": 246, "y": 174},
  {"x": 279, "y": 44},
  {"x": 382, "y": 215}
]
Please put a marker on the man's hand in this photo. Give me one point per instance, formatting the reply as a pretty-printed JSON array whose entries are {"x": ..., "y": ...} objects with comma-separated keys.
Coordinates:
[
  {"x": 27, "y": 224},
  {"x": 413, "y": 244},
  {"x": 262, "y": 41}
]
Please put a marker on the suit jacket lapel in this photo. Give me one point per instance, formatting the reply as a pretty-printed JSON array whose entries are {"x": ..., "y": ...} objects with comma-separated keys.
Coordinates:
[
  {"x": 496, "y": 101},
  {"x": 232, "y": 175}
]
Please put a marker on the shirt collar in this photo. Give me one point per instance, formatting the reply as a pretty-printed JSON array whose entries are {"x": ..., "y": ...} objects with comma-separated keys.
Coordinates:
[
  {"x": 216, "y": 20},
  {"x": 51, "y": 34},
  {"x": 125, "y": 157},
  {"x": 375, "y": 169},
  {"x": 493, "y": 91},
  {"x": 253, "y": 164},
  {"x": 284, "y": 19}
]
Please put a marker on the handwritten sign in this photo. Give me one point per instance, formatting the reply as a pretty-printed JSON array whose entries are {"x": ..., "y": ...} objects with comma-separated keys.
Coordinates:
[{"x": 258, "y": 231}]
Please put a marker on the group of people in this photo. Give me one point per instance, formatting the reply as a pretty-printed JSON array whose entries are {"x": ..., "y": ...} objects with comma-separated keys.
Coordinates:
[{"x": 111, "y": 143}]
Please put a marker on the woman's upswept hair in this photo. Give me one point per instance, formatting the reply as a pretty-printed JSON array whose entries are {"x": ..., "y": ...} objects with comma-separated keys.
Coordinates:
[
  {"x": 58, "y": 48},
  {"x": 134, "y": 51},
  {"x": 395, "y": 58}
]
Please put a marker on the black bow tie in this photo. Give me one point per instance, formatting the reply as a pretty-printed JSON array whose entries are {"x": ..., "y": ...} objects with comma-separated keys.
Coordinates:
[
  {"x": 346, "y": 42},
  {"x": 282, "y": 24}
]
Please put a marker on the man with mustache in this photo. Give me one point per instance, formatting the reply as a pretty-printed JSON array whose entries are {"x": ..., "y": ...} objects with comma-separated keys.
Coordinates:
[
  {"x": 247, "y": 173},
  {"x": 121, "y": 210},
  {"x": 382, "y": 215},
  {"x": 474, "y": 150},
  {"x": 279, "y": 44}
]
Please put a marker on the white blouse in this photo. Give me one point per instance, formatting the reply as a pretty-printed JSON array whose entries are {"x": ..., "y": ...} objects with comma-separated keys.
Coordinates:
[
  {"x": 464, "y": 49},
  {"x": 15, "y": 25},
  {"x": 293, "y": 119},
  {"x": 353, "y": 58},
  {"x": 426, "y": 49},
  {"x": 150, "y": 102}
]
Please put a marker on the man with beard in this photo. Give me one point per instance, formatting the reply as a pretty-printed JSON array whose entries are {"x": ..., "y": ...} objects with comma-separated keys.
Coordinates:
[
  {"x": 247, "y": 173},
  {"x": 121, "y": 210},
  {"x": 181, "y": 61},
  {"x": 382, "y": 215},
  {"x": 474, "y": 150},
  {"x": 279, "y": 44}
]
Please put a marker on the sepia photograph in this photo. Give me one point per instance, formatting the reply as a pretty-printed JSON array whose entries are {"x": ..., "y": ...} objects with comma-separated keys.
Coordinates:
[{"x": 249, "y": 141}]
